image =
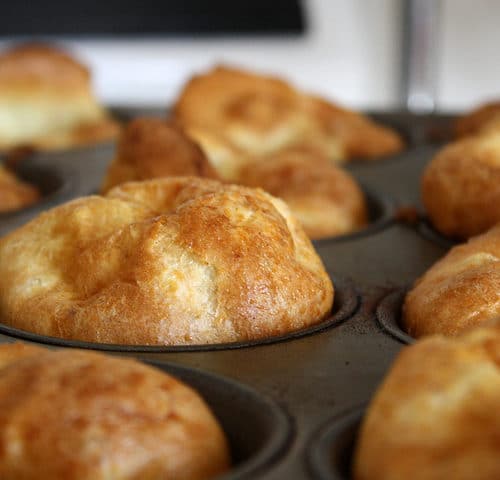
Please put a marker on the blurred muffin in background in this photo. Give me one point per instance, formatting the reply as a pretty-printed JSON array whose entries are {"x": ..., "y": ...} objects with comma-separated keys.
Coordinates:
[
  {"x": 478, "y": 120},
  {"x": 326, "y": 200},
  {"x": 323, "y": 197},
  {"x": 461, "y": 186},
  {"x": 14, "y": 193},
  {"x": 152, "y": 148},
  {"x": 261, "y": 115},
  {"x": 227, "y": 159},
  {"x": 46, "y": 101}
]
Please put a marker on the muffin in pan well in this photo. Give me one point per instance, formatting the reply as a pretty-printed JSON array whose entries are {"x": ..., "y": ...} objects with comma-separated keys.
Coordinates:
[
  {"x": 46, "y": 101},
  {"x": 261, "y": 115},
  {"x": 153, "y": 148},
  {"x": 461, "y": 186},
  {"x": 178, "y": 260},
  {"x": 83, "y": 415},
  {"x": 15, "y": 193},
  {"x": 435, "y": 416},
  {"x": 460, "y": 291},
  {"x": 325, "y": 198}
]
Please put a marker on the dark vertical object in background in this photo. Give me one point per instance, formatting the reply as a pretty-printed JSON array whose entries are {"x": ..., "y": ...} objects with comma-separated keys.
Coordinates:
[{"x": 151, "y": 17}]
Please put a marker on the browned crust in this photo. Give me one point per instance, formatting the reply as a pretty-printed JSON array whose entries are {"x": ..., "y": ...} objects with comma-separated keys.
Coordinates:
[
  {"x": 262, "y": 114},
  {"x": 78, "y": 414},
  {"x": 460, "y": 291},
  {"x": 436, "y": 414},
  {"x": 360, "y": 137},
  {"x": 14, "y": 193},
  {"x": 461, "y": 186},
  {"x": 477, "y": 120},
  {"x": 13, "y": 352},
  {"x": 323, "y": 197},
  {"x": 179, "y": 260},
  {"x": 154, "y": 148}
]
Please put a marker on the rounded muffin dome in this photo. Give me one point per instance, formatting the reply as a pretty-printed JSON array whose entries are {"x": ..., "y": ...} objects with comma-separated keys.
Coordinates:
[
  {"x": 152, "y": 148},
  {"x": 436, "y": 414},
  {"x": 47, "y": 101},
  {"x": 460, "y": 291},
  {"x": 461, "y": 186},
  {"x": 260, "y": 115},
  {"x": 177, "y": 260},
  {"x": 82, "y": 415},
  {"x": 323, "y": 197}
]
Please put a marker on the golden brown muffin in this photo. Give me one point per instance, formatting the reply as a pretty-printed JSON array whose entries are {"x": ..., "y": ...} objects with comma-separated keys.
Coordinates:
[
  {"x": 153, "y": 148},
  {"x": 177, "y": 260},
  {"x": 14, "y": 193},
  {"x": 461, "y": 186},
  {"x": 13, "y": 352},
  {"x": 46, "y": 101},
  {"x": 71, "y": 414},
  {"x": 478, "y": 119},
  {"x": 360, "y": 137},
  {"x": 323, "y": 197},
  {"x": 261, "y": 115},
  {"x": 436, "y": 416},
  {"x": 225, "y": 157},
  {"x": 461, "y": 290}
]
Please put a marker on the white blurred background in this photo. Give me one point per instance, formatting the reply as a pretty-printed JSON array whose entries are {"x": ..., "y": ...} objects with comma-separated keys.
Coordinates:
[{"x": 351, "y": 53}]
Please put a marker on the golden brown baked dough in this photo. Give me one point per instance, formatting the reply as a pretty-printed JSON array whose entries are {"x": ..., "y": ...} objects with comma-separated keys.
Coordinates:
[
  {"x": 461, "y": 290},
  {"x": 436, "y": 416},
  {"x": 227, "y": 159},
  {"x": 13, "y": 352},
  {"x": 14, "y": 193},
  {"x": 360, "y": 137},
  {"x": 46, "y": 101},
  {"x": 323, "y": 197},
  {"x": 261, "y": 115},
  {"x": 153, "y": 148},
  {"x": 177, "y": 260},
  {"x": 478, "y": 120},
  {"x": 461, "y": 186},
  {"x": 82, "y": 415}
]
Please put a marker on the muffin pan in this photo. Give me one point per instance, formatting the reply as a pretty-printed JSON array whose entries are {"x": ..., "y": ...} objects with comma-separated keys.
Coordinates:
[
  {"x": 330, "y": 454},
  {"x": 390, "y": 314},
  {"x": 317, "y": 377}
]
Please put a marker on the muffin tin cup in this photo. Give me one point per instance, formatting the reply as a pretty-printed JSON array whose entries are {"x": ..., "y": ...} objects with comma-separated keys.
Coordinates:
[
  {"x": 389, "y": 316},
  {"x": 330, "y": 454},
  {"x": 254, "y": 445},
  {"x": 346, "y": 302}
]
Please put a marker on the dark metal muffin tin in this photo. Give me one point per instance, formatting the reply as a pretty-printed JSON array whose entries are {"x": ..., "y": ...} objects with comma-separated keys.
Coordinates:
[{"x": 318, "y": 378}]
